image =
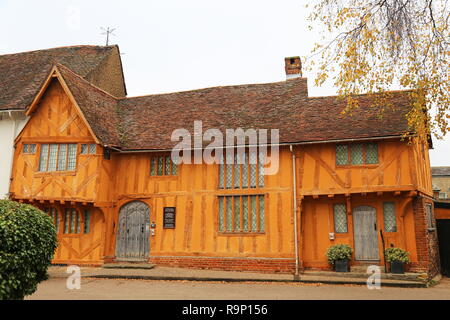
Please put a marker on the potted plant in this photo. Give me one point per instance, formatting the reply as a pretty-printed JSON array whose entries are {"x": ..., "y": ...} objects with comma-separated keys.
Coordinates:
[
  {"x": 397, "y": 258},
  {"x": 339, "y": 256}
]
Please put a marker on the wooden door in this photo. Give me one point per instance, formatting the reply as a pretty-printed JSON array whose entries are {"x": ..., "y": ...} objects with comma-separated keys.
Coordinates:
[
  {"x": 365, "y": 233},
  {"x": 133, "y": 234}
]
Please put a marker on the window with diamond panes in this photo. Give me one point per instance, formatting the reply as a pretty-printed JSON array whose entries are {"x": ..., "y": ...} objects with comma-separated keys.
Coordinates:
[
  {"x": 242, "y": 171},
  {"x": 54, "y": 215},
  {"x": 57, "y": 157},
  {"x": 162, "y": 166},
  {"x": 241, "y": 214},
  {"x": 88, "y": 148},
  {"x": 390, "y": 220},
  {"x": 357, "y": 154},
  {"x": 341, "y": 155},
  {"x": 72, "y": 221},
  {"x": 87, "y": 221},
  {"x": 340, "y": 218},
  {"x": 29, "y": 148}
]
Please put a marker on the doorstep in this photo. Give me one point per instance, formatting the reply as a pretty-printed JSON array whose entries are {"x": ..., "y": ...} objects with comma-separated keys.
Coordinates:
[{"x": 177, "y": 274}]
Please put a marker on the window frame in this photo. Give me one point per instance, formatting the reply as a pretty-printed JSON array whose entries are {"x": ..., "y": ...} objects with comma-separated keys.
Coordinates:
[
  {"x": 164, "y": 157},
  {"x": 260, "y": 220},
  {"x": 26, "y": 146},
  {"x": 241, "y": 169},
  {"x": 56, "y": 171},
  {"x": 334, "y": 218},
  {"x": 88, "y": 149},
  {"x": 349, "y": 147},
  {"x": 384, "y": 216}
]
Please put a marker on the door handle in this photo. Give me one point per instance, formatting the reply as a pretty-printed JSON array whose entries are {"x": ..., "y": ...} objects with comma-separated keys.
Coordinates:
[
  {"x": 142, "y": 229},
  {"x": 375, "y": 226}
]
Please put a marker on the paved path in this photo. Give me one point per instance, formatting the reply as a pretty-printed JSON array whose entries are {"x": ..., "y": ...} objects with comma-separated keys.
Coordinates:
[{"x": 95, "y": 289}]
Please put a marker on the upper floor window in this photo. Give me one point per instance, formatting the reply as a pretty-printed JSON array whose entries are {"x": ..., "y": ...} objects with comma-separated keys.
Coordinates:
[
  {"x": 29, "y": 148},
  {"x": 242, "y": 173},
  {"x": 88, "y": 148},
  {"x": 442, "y": 195},
  {"x": 57, "y": 157},
  {"x": 356, "y": 154},
  {"x": 162, "y": 166}
]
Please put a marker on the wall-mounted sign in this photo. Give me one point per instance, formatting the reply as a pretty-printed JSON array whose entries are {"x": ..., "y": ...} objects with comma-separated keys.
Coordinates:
[{"x": 169, "y": 218}]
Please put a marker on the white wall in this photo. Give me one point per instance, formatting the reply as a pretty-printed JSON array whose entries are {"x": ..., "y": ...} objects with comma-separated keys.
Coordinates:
[{"x": 10, "y": 126}]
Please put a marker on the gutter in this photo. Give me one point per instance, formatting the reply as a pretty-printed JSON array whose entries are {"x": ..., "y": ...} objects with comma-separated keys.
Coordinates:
[
  {"x": 262, "y": 145},
  {"x": 294, "y": 181}
]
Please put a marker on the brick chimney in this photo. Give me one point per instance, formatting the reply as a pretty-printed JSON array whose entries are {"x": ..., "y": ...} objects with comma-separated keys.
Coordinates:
[{"x": 293, "y": 67}]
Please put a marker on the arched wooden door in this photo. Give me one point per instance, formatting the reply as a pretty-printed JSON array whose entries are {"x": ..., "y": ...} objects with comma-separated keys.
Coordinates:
[
  {"x": 365, "y": 233},
  {"x": 132, "y": 243}
]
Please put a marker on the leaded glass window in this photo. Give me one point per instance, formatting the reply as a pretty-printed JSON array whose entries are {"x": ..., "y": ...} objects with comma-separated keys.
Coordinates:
[
  {"x": 221, "y": 214},
  {"x": 390, "y": 221},
  {"x": 57, "y": 157},
  {"x": 72, "y": 221},
  {"x": 54, "y": 214},
  {"x": 162, "y": 166},
  {"x": 29, "y": 148},
  {"x": 340, "y": 218},
  {"x": 242, "y": 173},
  {"x": 87, "y": 221},
  {"x": 229, "y": 214},
  {"x": 72, "y": 157},
  {"x": 237, "y": 212},
  {"x": 261, "y": 213},
  {"x": 88, "y": 148},
  {"x": 341, "y": 155},
  {"x": 371, "y": 153},
  {"x": 356, "y": 154}
]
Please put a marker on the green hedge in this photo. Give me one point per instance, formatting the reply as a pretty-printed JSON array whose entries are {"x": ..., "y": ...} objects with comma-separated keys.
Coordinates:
[{"x": 27, "y": 244}]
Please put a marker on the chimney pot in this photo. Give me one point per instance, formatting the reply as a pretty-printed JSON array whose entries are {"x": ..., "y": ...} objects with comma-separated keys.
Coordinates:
[{"x": 293, "y": 67}]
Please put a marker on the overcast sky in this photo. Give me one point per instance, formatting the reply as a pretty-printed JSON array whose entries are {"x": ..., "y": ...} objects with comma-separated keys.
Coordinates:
[{"x": 175, "y": 45}]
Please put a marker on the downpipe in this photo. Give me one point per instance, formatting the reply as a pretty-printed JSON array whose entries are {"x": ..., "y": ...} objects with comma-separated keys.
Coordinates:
[{"x": 294, "y": 180}]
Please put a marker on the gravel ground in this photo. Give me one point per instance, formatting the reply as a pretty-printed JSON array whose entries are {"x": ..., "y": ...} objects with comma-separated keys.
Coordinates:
[{"x": 112, "y": 289}]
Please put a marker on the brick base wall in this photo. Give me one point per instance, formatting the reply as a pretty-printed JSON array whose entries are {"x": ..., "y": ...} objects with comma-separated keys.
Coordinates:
[
  {"x": 426, "y": 241},
  {"x": 267, "y": 265}
]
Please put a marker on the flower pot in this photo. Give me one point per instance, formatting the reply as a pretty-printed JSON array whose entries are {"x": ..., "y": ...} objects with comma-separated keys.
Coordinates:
[
  {"x": 397, "y": 267},
  {"x": 341, "y": 266}
]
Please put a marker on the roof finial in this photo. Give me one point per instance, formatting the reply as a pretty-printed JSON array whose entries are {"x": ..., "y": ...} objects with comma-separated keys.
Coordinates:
[{"x": 108, "y": 32}]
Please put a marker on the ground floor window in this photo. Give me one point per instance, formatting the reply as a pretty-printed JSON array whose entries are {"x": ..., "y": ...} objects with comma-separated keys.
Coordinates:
[
  {"x": 390, "y": 220},
  {"x": 239, "y": 213},
  {"x": 73, "y": 221},
  {"x": 340, "y": 218},
  {"x": 54, "y": 214}
]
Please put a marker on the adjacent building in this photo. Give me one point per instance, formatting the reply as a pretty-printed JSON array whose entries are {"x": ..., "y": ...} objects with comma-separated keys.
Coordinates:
[{"x": 441, "y": 183}]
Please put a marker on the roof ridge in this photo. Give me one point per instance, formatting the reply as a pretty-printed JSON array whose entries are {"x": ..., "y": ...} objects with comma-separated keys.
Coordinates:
[
  {"x": 56, "y": 48},
  {"x": 59, "y": 65},
  {"x": 213, "y": 87}
]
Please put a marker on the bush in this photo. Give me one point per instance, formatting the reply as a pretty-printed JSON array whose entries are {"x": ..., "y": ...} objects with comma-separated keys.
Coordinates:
[
  {"x": 27, "y": 244},
  {"x": 339, "y": 252},
  {"x": 396, "y": 254}
]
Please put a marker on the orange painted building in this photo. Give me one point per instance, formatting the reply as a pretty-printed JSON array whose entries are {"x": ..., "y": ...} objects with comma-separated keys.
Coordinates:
[{"x": 101, "y": 167}]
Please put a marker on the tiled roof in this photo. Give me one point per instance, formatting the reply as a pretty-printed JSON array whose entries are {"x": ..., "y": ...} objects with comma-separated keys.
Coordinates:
[
  {"x": 22, "y": 74},
  {"x": 148, "y": 122},
  {"x": 440, "y": 171}
]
